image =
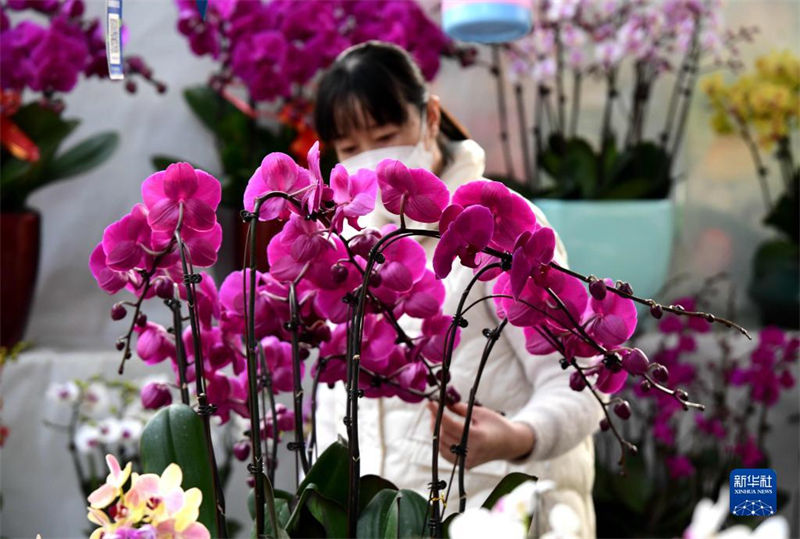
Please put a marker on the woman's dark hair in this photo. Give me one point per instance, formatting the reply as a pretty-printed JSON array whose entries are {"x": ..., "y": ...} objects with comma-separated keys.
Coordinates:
[{"x": 376, "y": 80}]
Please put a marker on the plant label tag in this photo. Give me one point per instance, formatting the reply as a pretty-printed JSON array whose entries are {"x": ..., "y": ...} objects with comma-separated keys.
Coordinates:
[{"x": 114, "y": 39}]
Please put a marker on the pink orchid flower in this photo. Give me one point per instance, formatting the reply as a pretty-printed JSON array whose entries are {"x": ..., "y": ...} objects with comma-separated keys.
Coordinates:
[
  {"x": 112, "y": 488},
  {"x": 512, "y": 213},
  {"x": 612, "y": 320},
  {"x": 434, "y": 337},
  {"x": 417, "y": 193},
  {"x": 278, "y": 355},
  {"x": 268, "y": 313},
  {"x": 181, "y": 189},
  {"x": 312, "y": 198},
  {"x": 201, "y": 247},
  {"x": 294, "y": 248},
  {"x": 154, "y": 343},
  {"x": 465, "y": 233},
  {"x": 531, "y": 250},
  {"x": 228, "y": 394},
  {"x": 423, "y": 300},
  {"x": 112, "y": 281},
  {"x": 278, "y": 172},
  {"x": 125, "y": 241},
  {"x": 354, "y": 196}
]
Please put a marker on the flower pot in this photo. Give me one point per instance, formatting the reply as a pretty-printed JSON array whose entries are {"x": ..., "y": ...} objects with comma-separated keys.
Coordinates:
[
  {"x": 775, "y": 286},
  {"x": 486, "y": 21},
  {"x": 630, "y": 240},
  {"x": 20, "y": 234}
]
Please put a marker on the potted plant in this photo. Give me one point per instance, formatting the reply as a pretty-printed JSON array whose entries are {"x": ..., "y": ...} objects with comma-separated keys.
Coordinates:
[
  {"x": 687, "y": 457},
  {"x": 259, "y": 97},
  {"x": 40, "y": 63},
  {"x": 612, "y": 188},
  {"x": 234, "y": 347},
  {"x": 762, "y": 109}
]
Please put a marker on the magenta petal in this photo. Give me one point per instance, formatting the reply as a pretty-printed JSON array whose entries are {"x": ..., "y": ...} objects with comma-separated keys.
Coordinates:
[
  {"x": 109, "y": 280},
  {"x": 476, "y": 225},
  {"x": 536, "y": 344},
  {"x": 198, "y": 215},
  {"x": 610, "y": 382},
  {"x": 448, "y": 216},
  {"x": 203, "y": 247},
  {"x": 543, "y": 245},
  {"x": 521, "y": 267},
  {"x": 124, "y": 256},
  {"x": 180, "y": 181},
  {"x": 153, "y": 189},
  {"x": 209, "y": 190},
  {"x": 280, "y": 173},
  {"x": 445, "y": 253},
  {"x": 396, "y": 276},
  {"x": 164, "y": 215}
]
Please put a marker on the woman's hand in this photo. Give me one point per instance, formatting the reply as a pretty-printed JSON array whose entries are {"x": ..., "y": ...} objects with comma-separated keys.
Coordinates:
[{"x": 491, "y": 435}]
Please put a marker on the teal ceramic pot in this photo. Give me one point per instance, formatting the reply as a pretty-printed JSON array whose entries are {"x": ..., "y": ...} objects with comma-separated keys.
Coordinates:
[{"x": 630, "y": 240}]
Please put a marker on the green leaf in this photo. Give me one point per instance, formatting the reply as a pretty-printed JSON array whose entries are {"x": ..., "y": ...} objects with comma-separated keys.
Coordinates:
[
  {"x": 84, "y": 156},
  {"x": 369, "y": 486},
  {"x": 393, "y": 514},
  {"x": 281, "y": 509},
  {"x": 47, "y": 130},
  {"x": 506, "y": 485},
  {"x": 572, "y": 165},
  {"x": 646, "y": 161},
  {"x": 330, "y": 473},
  {"x": 175, "y": 435},
  {"x": 301, "y": 522},
  {"x": 330, "y": 514}
]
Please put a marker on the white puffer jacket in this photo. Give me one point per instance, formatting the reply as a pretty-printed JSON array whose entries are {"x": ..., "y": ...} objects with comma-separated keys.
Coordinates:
[{"x": 395, "y": 436}]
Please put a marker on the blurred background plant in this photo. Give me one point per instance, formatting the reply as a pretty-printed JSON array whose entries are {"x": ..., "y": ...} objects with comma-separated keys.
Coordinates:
[
  {"x": 630, "y": 48},
  {"x": 762, "y": 107},
  {"x": 684, "y": 458},
  {"x": 48, "y": 48}
]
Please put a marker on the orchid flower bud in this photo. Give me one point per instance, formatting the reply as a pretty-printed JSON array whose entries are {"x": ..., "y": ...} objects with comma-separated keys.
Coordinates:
[{"x": 155, "y": 395}]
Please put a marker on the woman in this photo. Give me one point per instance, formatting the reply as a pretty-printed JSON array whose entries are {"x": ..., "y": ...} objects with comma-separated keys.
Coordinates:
[{"x": 373, "y": 104}]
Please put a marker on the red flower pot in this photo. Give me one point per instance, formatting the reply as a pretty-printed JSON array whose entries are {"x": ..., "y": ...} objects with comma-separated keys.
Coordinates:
[{"x": 20, "y": 234}]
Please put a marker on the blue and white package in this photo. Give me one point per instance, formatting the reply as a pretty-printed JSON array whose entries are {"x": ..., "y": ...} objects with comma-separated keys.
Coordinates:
[{"x": 114, "y": 39}]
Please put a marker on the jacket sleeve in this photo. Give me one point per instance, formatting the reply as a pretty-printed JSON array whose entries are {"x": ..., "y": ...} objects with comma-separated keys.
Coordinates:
[{"x": 559, "y": 417}]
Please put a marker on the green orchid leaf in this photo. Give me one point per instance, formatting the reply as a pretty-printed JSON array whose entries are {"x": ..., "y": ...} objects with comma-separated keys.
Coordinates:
[
  {"x": 83, "y": 157},
  {"x": 393, "y": 514},
  {"x": 175, "y": 435},
  {"x": 370, "y": 486},
  {"x": 330, "y": 473}
]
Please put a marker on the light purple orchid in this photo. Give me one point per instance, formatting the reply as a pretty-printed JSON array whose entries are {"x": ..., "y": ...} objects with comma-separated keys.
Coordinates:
[
  {"x": 416, "y": 193},
  {"x": 181, "y": 192}
]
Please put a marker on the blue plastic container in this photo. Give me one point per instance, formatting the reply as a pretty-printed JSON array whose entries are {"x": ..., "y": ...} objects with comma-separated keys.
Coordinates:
[{"x": 486, "y": 21}]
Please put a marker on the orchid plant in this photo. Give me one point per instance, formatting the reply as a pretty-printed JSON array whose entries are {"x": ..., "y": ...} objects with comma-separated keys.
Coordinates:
[
  {"x": 761, "y": 108},
  {"x": 685, "y": 459},
  {"x": 268, "y": 54},
  {"x": 632, "y": 48},
  {"x": 47, "y": 61},
  {"x": 343, "y": 293},
  {"x": 152, "y": 506}
]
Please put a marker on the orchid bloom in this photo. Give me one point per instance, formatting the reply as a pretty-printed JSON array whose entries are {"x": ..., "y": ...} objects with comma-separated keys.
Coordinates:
[
  {"x": 465, "y": 233},
  {"x": 278, "y": 172},
  {"x": 417, "y": 193},
  {"x": 160, "y": 500},
  {"x": 531, "y": 250},
  {"x": 124, "y": 241},
  {"x": 181, "y": 190},
  {"x": 354, "y": 196},
  {"x": 112, "y": 489}
]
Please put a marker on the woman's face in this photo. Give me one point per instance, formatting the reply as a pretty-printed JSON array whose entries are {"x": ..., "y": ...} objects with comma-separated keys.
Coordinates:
[{"x": 374, "y": 136}]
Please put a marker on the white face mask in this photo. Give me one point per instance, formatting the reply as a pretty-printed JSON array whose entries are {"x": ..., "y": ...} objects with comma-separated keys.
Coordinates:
[{"x": 416, "y": 156}]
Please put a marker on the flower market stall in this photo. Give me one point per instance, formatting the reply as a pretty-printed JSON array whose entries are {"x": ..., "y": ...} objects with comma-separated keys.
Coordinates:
[{"x": 322, "y": 269}]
